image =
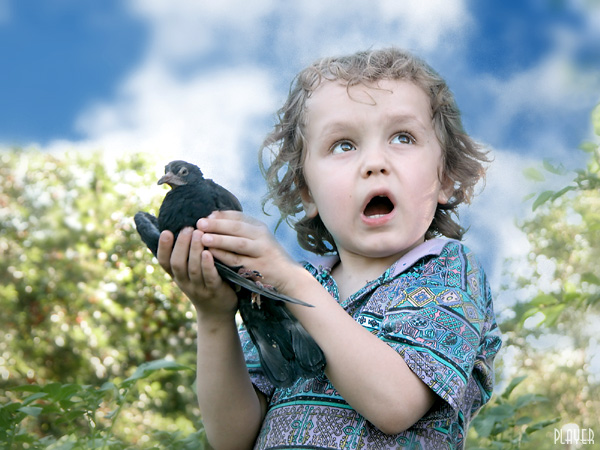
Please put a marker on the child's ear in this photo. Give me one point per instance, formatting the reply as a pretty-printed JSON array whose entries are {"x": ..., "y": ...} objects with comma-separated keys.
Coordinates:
[
  {"x": 310, "y": 207},
  {"x": 446, "y": 190}
]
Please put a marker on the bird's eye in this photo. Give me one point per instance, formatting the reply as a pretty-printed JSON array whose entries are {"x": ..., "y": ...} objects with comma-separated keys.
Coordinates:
[
  {"x": 342, "y": 147},
  {"x": 183, "y": 171},
  {"x": 403, "y": 138}
]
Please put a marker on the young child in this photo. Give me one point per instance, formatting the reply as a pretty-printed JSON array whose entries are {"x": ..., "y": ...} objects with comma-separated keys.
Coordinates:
[{"x": 371, "y": 147}]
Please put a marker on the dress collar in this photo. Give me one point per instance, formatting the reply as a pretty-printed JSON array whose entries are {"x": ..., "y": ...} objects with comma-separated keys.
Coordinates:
[{"x": 432, "y": 247}]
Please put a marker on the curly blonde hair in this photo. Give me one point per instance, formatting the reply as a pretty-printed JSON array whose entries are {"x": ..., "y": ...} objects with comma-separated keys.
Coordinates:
[{"x": 282, "y": 167}]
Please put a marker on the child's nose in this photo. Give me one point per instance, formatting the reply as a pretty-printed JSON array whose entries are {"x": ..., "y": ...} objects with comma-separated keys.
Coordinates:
[{"x": 374, "y": 162}]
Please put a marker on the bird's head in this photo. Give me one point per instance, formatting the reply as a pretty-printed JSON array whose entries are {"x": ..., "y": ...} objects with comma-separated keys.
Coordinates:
[{"x": 178, "y": 173}]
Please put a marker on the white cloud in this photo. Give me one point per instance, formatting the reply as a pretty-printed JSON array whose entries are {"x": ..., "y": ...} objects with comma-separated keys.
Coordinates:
[
  {"x": 199, "y": 93},
  {"x": 183, "y": 29},
  {"x": 315, "y": 28},
  {"x": 208, "y": 119},
  {"x": 545, "y": 95},
  {"x": 493, "y": 233},
  {"x": 552, "y": 85},
  {"x": 423, "y": 25}
]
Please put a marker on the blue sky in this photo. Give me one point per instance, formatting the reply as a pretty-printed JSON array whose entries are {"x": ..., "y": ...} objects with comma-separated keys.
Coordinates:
[{"x": 202, "y": 80}]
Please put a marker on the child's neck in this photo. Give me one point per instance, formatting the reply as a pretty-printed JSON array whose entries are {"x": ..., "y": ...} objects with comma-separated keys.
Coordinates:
[{"x": 352, "y": 273}]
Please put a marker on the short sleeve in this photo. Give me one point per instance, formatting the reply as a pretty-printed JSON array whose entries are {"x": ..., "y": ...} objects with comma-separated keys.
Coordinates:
[
  {"x": 441, "y": 321},
  {"x": 259, "y": 379}
]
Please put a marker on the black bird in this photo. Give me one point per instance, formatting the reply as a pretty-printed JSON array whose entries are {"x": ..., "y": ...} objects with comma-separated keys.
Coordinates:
[{"x": 285, "y": 348}]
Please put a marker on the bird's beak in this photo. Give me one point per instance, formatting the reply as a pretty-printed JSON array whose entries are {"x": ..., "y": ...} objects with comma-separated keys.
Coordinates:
[
  {"x": 171, "y": 179},
  {"x": 165, "y": 178}
]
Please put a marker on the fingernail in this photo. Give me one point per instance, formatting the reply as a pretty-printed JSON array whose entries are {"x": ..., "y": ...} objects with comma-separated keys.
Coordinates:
[
  {"x": 202, "y": 223},
  {"x": 187, "y": 231}
]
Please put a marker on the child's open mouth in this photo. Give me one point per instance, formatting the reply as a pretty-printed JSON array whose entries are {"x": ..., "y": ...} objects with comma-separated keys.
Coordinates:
[{"x": 378, "y": 206}]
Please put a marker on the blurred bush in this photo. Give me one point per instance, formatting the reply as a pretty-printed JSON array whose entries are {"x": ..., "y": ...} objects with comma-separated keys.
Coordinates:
[{"x": 82, "y": 301}]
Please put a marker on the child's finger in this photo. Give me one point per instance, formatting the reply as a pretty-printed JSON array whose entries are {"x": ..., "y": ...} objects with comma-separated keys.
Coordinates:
[
  {"x": 194, "y": 265},
  {"x": 165, "y": 246},
  {"x": 232, "y": 223},
  {"x": 211, "y": 277},
  {"x": 226, "y": 247},
  {"x": 180, "y": 253}
]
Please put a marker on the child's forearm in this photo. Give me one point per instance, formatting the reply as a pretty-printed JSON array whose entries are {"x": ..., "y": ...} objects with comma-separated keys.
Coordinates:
[
  {"x": 369, "y": 374},
  {"x": 232, "y": 411}
]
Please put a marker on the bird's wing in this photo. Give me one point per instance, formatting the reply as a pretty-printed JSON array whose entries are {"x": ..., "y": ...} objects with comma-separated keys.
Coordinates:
[
  {"x": 147, "y": 226},
  {"x": 234, "y": 277},
  {"x": 271, "y": 338},
  {"x": 224, "y": 200},
  {"x": 285, "y": 348},
  {"x": 309, "y": 356}
]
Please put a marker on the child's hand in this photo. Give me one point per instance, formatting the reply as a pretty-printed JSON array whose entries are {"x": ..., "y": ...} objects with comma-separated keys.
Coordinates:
[
  {"x": 238, "y": 240},
  {"x": 192, "y": 268}
]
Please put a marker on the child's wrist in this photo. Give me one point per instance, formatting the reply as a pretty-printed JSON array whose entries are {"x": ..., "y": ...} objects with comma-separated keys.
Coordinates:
[
  {"x": 295, "y": 280},
  {"x": 214, "y": 320}
]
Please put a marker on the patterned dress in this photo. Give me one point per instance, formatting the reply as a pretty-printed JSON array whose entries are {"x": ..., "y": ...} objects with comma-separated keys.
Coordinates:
[{"x": 434, "y": 307}]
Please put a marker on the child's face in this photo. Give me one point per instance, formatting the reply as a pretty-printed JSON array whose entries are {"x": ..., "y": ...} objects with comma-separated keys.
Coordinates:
[{"x": 373, "y": 166}]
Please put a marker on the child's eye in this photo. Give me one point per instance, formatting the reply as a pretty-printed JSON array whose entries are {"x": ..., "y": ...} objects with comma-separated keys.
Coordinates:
[
  {"x": 342, "y": 147},
  {"x": 403, "y": 138}
]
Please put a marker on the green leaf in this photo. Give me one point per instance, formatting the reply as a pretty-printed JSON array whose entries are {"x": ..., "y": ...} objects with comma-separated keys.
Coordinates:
[
  {"x": 33, "y": 397},
  {"x": 533, "y": 174},
  {"x": 556, "y": 170},
  {"x": 512, "y": 385},
  {"x": 553, "y": 314},
  {"x": 596, "y": 119},
  {"x": 541, "y": 199},
  {"x": 593, "y": 299},
  {"x": 543, "y": 300},
  {"x": 539, "y": 425},
  {"x": 484, "y": 426},
  {"x": 31, "y": 410},
  {"x": 111, "y": 414},
  {"x": 528, "y": 196},
  {"x": 529, "y": 399},
  {"x": 147, "y": 369},
  {"x": 523, "y": 420},
  {"x": 590, "y": 278},
  {"x": 501, "y": 412},
  {"x": 588, "y": 147},
  {"x": 563, "y": 191}
]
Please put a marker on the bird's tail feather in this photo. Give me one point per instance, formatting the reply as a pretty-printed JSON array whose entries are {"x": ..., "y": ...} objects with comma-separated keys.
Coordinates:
[
  {"x": 147, "y": 226},
  {"x": 309, "y": 355},
  {"x": 276, "y": 355},
  {"x": 231, "y": 275}
]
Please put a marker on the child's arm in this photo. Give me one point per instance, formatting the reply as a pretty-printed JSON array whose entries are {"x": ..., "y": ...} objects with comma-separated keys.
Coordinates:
[
  {"x": 232, "y": 411},
  {"x": 369, "y": 374}
]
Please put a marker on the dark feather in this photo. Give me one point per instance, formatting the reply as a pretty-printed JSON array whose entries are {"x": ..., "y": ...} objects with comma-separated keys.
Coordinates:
[{"x": 285, "y": 348}]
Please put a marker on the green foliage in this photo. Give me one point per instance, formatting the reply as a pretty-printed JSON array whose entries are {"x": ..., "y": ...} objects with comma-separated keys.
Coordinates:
[
  {"x": 565, "y": 235},
  {"x": 505, "y": 423},
  {"x": 83, "y": 302},
  {"x": 83, "y": 416},
  {"x": 552, "y": 331}
]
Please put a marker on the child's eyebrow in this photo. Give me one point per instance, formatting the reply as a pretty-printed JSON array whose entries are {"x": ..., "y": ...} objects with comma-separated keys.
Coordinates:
[
  {"x": 335, "y": 127},
  {"x": 393, "y": 119},
  {"x": 406, "y": 119}
]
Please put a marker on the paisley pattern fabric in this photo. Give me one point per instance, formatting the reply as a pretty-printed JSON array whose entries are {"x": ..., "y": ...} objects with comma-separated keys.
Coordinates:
[{"x": 434, "y": 307}]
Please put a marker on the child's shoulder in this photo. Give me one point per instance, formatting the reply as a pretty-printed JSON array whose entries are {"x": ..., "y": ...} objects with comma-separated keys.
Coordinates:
[{"x": 457, "y": 254}]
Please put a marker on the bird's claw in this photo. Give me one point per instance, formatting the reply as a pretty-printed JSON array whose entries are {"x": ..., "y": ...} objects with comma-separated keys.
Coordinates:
[
  {"x": 255, "y": 276},
  {"x": 255, "y": 297}
]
